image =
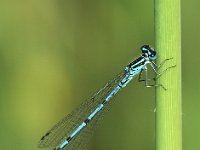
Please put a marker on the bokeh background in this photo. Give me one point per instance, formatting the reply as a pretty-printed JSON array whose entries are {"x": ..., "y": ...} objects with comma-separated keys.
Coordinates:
[{"x": 54, "y": 54}]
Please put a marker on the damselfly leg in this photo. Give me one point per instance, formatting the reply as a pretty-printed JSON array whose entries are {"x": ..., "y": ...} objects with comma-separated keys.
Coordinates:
[
  {"x": 156, "y": 67},
  {"x": 158, "y": 74},
  {"x": 146, "y": 79},
  {"x": 161, "y": 64}
]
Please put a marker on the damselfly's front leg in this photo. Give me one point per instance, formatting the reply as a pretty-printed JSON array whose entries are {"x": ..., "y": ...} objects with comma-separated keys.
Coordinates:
[
  {"x": 146, "y": 80},
  {"x": 157, "y": 67},
  {"x": 161, "y": 64},
  {"x": 158, "y": 74}
]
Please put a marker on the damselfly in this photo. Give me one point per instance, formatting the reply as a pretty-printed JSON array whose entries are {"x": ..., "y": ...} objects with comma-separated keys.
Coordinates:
[{"x": 73, "y": 131}]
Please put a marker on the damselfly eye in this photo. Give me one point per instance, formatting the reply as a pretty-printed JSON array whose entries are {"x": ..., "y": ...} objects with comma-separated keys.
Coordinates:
[
  {"x": 145, "y": 48},
  {"x": 152, "y": 55},
  {"x": 149, "y": 52}
]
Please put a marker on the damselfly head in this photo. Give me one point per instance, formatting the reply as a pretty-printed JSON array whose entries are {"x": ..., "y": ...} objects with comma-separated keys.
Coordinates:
[{"x": 148, "y": 52}]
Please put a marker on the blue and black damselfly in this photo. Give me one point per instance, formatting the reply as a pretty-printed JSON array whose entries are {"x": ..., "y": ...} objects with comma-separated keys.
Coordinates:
[{"x": 73, "y": 131}]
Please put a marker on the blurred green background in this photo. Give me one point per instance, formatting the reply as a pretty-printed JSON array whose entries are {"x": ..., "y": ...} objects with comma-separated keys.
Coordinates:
[{"x": 55, "y": 54}]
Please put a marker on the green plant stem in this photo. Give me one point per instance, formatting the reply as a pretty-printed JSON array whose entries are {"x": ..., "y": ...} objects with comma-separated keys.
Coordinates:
[{"x": 168, "y": 103}]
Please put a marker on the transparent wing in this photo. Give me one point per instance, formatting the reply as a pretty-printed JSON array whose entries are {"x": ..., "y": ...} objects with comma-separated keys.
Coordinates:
[{"x": 68, "y": 124}]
